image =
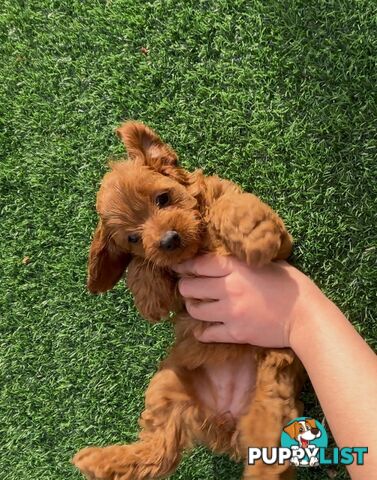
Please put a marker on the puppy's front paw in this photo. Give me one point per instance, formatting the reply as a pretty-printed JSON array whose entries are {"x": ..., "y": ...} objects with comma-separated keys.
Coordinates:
[
  {"x": 314, "y": 462},
  {"x": 94, "y": 463},
  {"x": 250, "y": 229}
]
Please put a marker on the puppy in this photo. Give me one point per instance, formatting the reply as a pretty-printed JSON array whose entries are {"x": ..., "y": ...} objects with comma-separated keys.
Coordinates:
[{"x": 154, "y": 214}]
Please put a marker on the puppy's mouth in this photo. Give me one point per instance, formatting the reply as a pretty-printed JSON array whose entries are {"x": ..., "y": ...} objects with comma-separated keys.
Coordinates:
[{"x": 172, "y": 249}]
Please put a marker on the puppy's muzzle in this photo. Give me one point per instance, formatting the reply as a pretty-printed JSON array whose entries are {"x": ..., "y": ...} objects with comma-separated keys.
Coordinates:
[{"x": 170, "y": 241}]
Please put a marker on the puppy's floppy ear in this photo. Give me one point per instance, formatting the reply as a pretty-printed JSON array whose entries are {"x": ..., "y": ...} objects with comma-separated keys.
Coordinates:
[
  {"x": 106, "y": 262},
  {"x": 311, "y": 422},
  {"x": 144, "y": 145},
  {"x": 291, "y": 430}
]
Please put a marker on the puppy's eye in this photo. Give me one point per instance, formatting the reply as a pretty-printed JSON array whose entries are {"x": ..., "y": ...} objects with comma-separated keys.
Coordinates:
[
  {"x": 133, "y": 238},
  {"x": 162, "y": 200}
]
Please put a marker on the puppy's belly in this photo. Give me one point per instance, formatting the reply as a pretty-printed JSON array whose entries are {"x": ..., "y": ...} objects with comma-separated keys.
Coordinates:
[{"x": 227, "y": 387}]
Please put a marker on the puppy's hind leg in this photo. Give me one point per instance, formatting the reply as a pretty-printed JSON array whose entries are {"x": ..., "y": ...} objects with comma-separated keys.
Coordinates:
[{"x": 169, "y": 425}]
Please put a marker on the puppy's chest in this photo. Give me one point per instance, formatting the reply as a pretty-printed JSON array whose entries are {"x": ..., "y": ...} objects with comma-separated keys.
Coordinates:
[{"x": 227, "y": 387}]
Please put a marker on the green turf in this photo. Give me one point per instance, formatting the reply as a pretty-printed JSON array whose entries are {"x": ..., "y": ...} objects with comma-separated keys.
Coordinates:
[{"x": 277, "y": 95}]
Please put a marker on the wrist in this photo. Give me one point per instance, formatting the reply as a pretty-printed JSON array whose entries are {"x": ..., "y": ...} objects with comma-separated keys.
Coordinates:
[{"x": 318, "y": 311}]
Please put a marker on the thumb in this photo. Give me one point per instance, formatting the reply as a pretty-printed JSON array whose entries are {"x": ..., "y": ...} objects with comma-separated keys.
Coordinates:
[{"x": 214, "y": 333}]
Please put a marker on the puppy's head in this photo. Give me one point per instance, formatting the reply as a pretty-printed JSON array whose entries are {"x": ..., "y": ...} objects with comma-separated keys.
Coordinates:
[
  {"x": 148, "y": 207},
  {"x": 303, "y": 431}
]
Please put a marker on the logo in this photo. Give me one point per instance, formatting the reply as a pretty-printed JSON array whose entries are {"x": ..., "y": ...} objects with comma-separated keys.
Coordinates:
[
  {"x": 304, "y": 443},
  {"x": 304, "y": 436}
]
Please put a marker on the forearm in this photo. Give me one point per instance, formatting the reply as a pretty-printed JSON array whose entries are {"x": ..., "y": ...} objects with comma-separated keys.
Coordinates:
[
  {"x": 278, "y": 306},
  {"x": 343, "y": 371}
]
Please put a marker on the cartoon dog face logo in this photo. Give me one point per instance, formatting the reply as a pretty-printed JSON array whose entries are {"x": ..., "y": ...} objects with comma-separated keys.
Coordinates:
[{"x": 303, "y": 431}]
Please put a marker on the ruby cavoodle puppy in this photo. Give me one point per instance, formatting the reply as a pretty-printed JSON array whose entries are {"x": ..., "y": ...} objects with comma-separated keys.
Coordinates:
[{"x": 154, "y": 214}]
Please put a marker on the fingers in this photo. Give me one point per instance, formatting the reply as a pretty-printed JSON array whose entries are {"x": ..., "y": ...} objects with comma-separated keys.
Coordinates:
[
  {"x": 205, "y": 311},
  {"x": 215, "y": 333},
  {"x": 202, "y": 288},
  {"x": 208, "y": 265}
]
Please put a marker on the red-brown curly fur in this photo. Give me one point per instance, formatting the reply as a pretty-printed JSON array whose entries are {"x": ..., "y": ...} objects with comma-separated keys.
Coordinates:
[{"x": 226, "y": 396}]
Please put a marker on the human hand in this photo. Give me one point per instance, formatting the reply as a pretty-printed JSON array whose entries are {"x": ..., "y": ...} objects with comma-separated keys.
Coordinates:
[{"x": 260, "y": 306}]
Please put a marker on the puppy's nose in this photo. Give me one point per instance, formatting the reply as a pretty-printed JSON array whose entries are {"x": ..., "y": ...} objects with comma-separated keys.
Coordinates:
[
  {"x": 314, "y": 431},
  {"x": 170, "y": 240}
]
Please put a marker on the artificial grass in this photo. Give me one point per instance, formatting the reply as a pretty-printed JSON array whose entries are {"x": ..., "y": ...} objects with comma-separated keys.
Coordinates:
[{"x": 278, "y": 96}]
